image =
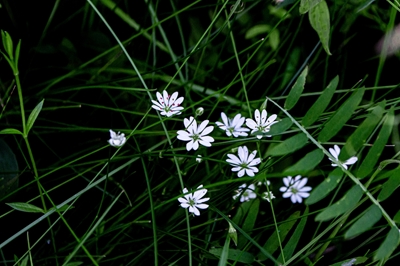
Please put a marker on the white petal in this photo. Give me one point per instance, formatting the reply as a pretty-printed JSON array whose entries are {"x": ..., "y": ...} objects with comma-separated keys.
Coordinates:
[
  {"x": 183, "y": 135},
  {"x": 224, "y": 118},
  {"x": 251, "y": 156},
  {"x": 257, "y": 117},
  {"x": 190, "y": 145},
  {"x": 202, "y": 206},
  {"x": 203, "y": 126},
  {"x": 194, "y": 210},
  {"x": 207, "y": 130},
  {"x": 263, "y": 117},
  {"x": 240, "y": 173},
  {"x": 271, "y": 120},
  {"x": 249, "y": 172},
  {"x": 351, "y": 161},
  {"x": 251, "y": 123}
]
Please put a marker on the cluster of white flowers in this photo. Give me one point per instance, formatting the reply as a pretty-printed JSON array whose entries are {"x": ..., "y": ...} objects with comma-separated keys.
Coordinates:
[{"x": 244, "y": 163}]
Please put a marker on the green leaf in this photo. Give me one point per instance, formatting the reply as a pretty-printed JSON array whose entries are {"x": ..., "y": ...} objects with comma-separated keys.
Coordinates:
[
  {"x": 375, "y": 152},
  {"x": 32, "y": 117},
  {"x": 8, "y": 170},
  {"x": 8, "y": 44},
  {"x": 63, "y": 208},
  {"x": 24, "y": 261},
  {"x": 341, "y": 116},
  {"x": 389, "y": 245},
  {"x": 234, "y": 254},
  {"x": 297, "y": 90},
  {"x": 319, "y": 20},
  {"x": 257, "y": 30},
  {"x": 390, "y": 186},
  {"x": 11, "y": 131},
  {"x": 397, "y": 217},
  {"x": 274, "y": 39},
  {"x": 366, "y": 221},
  {"x": 225, "y": 251},
  {"x": 25, "y": 207},
  {"x": 305, "y": 164},
  {"x": 350, "y": 262},
  {"x": 345, "y": 204},
  {"x": 294, "y": 239},
  {"x": 272, "y": 243},
  {"x": 323, "y": 189},
  {"x": 306, "y": 5},
  {"x": 249, "y": 222},
  {"x": 360, "y": 135},
  {"x": 289, "y": 145},
  {"x": 320, "y": 105},
  {"x": 282, "y": 126}
]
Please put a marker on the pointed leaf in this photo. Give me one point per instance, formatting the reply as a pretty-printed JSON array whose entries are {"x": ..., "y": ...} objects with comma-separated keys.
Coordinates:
[
  {"x": 360, "y": 135},
  {"x": 389, "y": 245},
  {"x": 345, "y": 204},
  {"x": 289, "y": 145},
  {"x": 375, "y": 152},
  {"x": 63, "y": 208},
  {"x": 280, "y": 127},
  {"x": 320, "y": 105},
  {"x": 306, "y": 164},
  {"x": 390, "y": 186},
  {"x": 323, "y": 189},
  {"x": 32, "y": 117},
  {"x": 320, "y": 21},
  {"x": 224, "y": 252},
  {"x": 370, "y": 217},
  {"x": 341, "y": 116},
  {"x": 294, "y": 239},
  {"x": 297, "y": 90},
  {"x": 11, "y": 131},
  {"x": 272, "y": 243},
  {"x": 397, "y": 217},
  {"x": 306, "y": 5},
  {"x": 25, "y": 207},
  {"x": 249, "y": 222}
]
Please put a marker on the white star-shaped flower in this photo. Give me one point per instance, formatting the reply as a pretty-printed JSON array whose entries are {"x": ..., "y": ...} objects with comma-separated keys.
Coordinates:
[
  {"x": 169, "y": 105},
  {"x": 245, "y": 193},
  {"x": 261, "y": 124},
  {"x": 233, "y": 126},
  {"x": 195, "y": 135},
  {"x": 295, "y": 188},
  {"x": 245, "y": 162},
  {"x": 268, "y": 196},
  {"x": 117, "y": 139},
  {"x": 335, "y": 153},
  {"x": 194, "y": 201}
]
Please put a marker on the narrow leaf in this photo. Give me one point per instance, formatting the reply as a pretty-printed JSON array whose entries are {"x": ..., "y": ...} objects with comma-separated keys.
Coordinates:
[
  {"x": 294, "y": 239},
  {"x": 370, "y": 217},
  {"x": 360, "y": 135},
  {"x": 341, "y": 116},
  {"x": 397, "y": 217},
  {"x": 320, "y": 105},
  {"x": 25, "y": 207},
  {"x": 323, "y": 189},
  {"x": 306, "y": 5},
  {"x": 32, "y": 117},
  {"x": 11, "y": 131},
  {"x": 320, "y": 21},
  {"x": 297, "y": 90},
  {"x": 280, "y": 127},
  {"x": 249, "y": 222},
  {"x": 224, "y": 252},
  {"x": 272, "y": 243},
  {"x": 63, "y": 208},
  {"x": 390, "y": 186},
  {"x": 257, "y": 30},
  {"x": 289, "y": 145},
  {"x": 305, "y": 164},
  {"x": 375, "y": 152},
  {"x": 351, "y": 262},
  {"x": 345, "y": 204},
  {"x": 388, "y": 245}
]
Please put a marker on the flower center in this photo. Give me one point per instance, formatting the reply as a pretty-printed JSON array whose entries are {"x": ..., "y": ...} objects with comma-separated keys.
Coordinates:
[
  {"x": 192, "y": 202},
  {"x": 195, "y": 137},
  {"x": 293, "y": 190},
  {"x": 244, "y": 165}
]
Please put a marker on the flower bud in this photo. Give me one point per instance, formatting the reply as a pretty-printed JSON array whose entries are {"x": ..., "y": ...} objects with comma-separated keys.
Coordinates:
[{"x": 199, "y": 111}]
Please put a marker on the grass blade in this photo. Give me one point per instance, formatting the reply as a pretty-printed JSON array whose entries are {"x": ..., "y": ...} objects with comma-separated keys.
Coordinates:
[{"x": 297, "y": 90}]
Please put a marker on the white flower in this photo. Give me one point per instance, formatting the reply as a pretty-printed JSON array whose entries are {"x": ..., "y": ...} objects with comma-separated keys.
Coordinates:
[
  {"x": 233, "y": 126},
  {"x": 245, "y": 193},
  {"x": 245, "y": 162},
  {"x": 198, "y": 159},
  {"x": 335, "y": 153},
  {"x": 261, "y": 124},
  {"x": 169, "y": 105},
  {"x": 295, "y": 189},
  {"x": 194, "y": 201},
  {"x": 267, "y": 196},
  {"x": 195, "y": 135},
  {"x": 116, "y": 140}
]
